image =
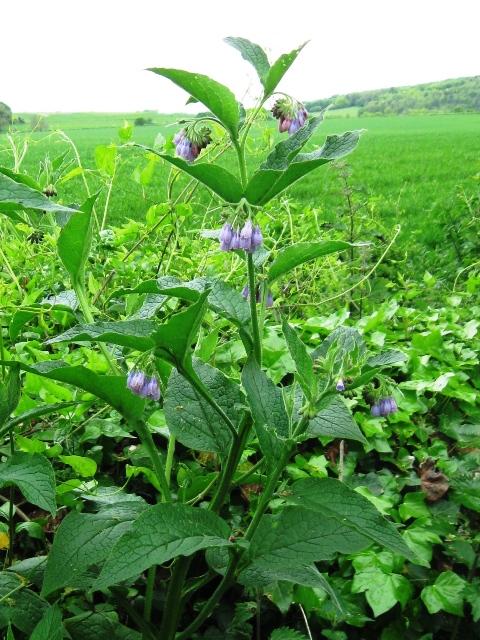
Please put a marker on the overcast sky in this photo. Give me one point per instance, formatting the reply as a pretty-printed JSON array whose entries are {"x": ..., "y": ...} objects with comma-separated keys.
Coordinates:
[{"x": 90, "y": 55}]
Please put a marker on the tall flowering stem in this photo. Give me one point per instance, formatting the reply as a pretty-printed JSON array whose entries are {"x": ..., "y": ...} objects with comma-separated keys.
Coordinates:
[{"x": 257, "y": 342}]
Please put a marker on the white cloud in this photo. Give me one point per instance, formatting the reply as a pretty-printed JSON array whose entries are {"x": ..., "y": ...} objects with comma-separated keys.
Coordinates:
[{"x": 60, "y": 55}]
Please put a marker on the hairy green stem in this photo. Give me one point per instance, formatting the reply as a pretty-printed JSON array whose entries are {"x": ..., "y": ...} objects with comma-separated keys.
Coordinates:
[
  {"x": 169, "y": 460},
  {"x": 147, "y": 609},
  {"x": 173, "y": 608},
  {"x": 147, "y": 441},
  {"x": 257, "y": 342},
  {"x": 241, "y": 161}
]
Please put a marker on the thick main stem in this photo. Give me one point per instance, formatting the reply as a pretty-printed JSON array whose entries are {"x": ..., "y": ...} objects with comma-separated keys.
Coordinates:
[{"x": 257, "y": 342}]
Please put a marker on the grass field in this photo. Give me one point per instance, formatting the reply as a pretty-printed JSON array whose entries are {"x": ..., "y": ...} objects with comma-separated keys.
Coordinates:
[{"x": 408, "y": 170}]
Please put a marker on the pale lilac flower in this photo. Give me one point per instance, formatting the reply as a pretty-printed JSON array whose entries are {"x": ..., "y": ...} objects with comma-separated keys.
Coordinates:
[
  {"x": 290, "y": 113},
  {"x": 226, "y": 236},
  {"x": 142, "y": 385},
  {"x": 384, "y": 407},
  {"x": 340, "y": 386}
]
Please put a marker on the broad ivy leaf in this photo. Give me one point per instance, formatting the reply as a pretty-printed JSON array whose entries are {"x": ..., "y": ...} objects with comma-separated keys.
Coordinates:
[
  {"x": 18, "y": 195},
  {"x": 34, "y": 476},
  {"x": 279, "y": 68},
  {"x": 214, "y": 95},
  {"x": 265, "y": 184},
  {"x": 112, "y": 389},
  {"x": 76, "y": 239},
  {"x": 219, "y": 180},
  {"x": 297, "y": 254},
  {"x": 83, "y": 540},
  {"x": 383, "y": 591},
  {"x": 192, "y": 420},
  {"x": 163, "y": 532},
  {"x": 446, "y": 594},
  {"x": 50, "y": 626},
  {"x": 303, "y": 361},
  {"x": 252, "y": 53},
  {"x": 99, "y": 625},
  {"x": 335, "y": 420},
  {"x": 268, "y": 410},
  {"x": 19, "y": 605},
  {"x": 338, "y": 504},
  {"x": 135, "y": 334},
  {"x": 9, "y": 393}
]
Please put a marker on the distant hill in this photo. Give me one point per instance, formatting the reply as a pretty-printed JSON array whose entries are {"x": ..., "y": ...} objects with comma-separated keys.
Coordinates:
[{"x": 457, "y": 95}]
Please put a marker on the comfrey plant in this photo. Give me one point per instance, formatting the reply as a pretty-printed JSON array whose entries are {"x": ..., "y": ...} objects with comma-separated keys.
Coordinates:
[{"x": 167, "y": 566}]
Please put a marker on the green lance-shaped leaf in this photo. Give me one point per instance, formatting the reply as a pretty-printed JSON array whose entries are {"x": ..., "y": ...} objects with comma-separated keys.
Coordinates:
[
  {"x": 265, "y": 184},
  {"x": 334, "y": 420},
  {"x": 303, "y": 361},
  {"x": 279, "y": 68},
  {"x": 214, "y": 95},
  {"x": 135, "y": 334},
  {"x": 192, "y": 420},
  {"x": 112, "y": 389},
  {"x": 19, "y": 606},
  {"x": 84, "y": 540},
  {"x": 335, "y": 503},
  {"x": 15, "y": 194},
  {"x": 252, "y": 53},
  {"x": 50, "y": 626},
  {"x": 285, "y": 151},
  {"x": 216, "y": 178},
  {"x": 75, "y": 241},
  {"x": 268, "y": 411},
  {"x": 33, "y": 475},
  {"x": 301, "y": 252},
  {"x": 9, "y": 393},
  {"x": 163, "y": 532}
]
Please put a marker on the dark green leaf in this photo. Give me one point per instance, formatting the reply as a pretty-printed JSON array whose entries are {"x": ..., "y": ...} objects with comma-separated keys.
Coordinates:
[
  {"x": 18, "y": 195},
  {"x": 213, "y": 176},
  {"x": 352, "y": 513},
  {"x": 303, "y": 361},
  {"x": 19, "y": 606},
  {"x": 192, "y": 420},
  {"x": 335, "y": 420},
  {"x": 296, "y": 254},
  {"x": 215, "y": 96},
  {"x": 100, "y": 625},
  {"x": 163, "y": 532},
  {"x": 34, "y": 476},
  {"x": 279, "y": 68},
  {"x": 112, "y": 389},
  {"x": 9, "y": 393},
  {"x": 284, "y": 633},
  {"x": 265, "y": 184},
  {"x": 50, "y": 626},
  {"x": 84, "y": 540},
  {"x": 75, "y": 241},
  {"x": 252, "y": 53},
  {"x": 135, "y": 334}
]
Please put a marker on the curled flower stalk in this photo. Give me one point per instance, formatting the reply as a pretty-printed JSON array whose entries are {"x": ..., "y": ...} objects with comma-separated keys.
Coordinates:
[
  {"x": 190, "y": 141},
  {"x": 290, "y": 113}
]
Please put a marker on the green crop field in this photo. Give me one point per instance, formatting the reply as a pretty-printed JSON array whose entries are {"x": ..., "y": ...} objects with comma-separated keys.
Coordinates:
[{"x": 410, "y": 170}]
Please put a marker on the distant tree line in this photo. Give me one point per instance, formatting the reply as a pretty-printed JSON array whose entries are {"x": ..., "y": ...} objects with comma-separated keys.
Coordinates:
[
  {"x": 458, "y": 95},
  {"x": 5, "y": 116}
]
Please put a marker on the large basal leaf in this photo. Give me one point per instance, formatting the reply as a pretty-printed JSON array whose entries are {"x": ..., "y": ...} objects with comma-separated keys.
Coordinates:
[
  {"x": 265, "y": 184},
  {"x": 192, "y": 420},
  {"x": 213, "y": 176},
  {"x": 252, "y": 53},
  {"x": 84, "y": 540},
  {"x": 334, "y": 420},
  {"x": 162, "y": 533},
  {"x": 279, "y": 68},
  {"x": 135, "y": 334},
  {"x": 18, "y": 195},
  {"x": 112, "y": 389},
  {"x": 76, "y": 239},
  {"x": 214, "y": 95},
  {"x": 19, "y": 606},
  {"x": 34, "y": 477},
  {"x": 50, "y": 626},
  {"x": 339, "y": 505},
  {"x": 9, "y": 393},
  {"x": 303, "y": 361},
  {"x": 297, "y": 254},
  {"x": 270, "y": 417}
]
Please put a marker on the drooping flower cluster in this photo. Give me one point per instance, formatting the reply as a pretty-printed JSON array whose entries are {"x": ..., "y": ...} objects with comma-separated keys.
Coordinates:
[
  {"x": 249, "y": 237},
  {"x": 384, "y": 407},
  {"x": 269, "y": 298},
  {"x": 290, "y": 113},
  {"x": 190, "y": 141},
  {"x": 142, "y": 385}
]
